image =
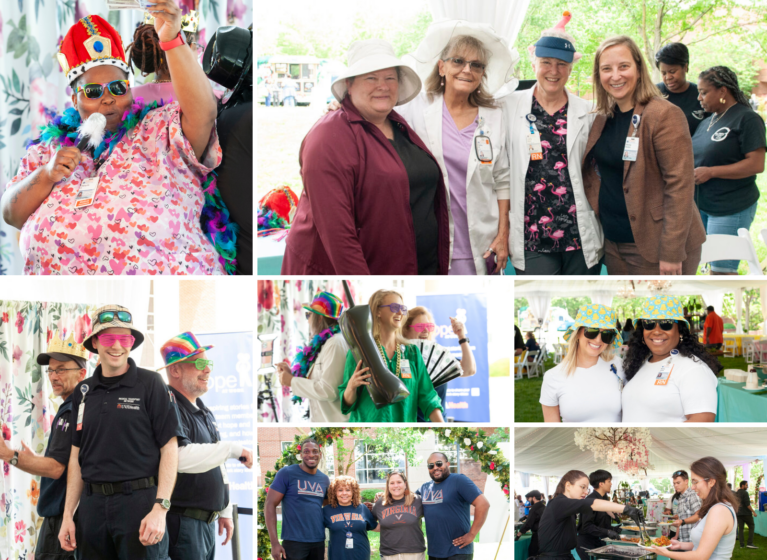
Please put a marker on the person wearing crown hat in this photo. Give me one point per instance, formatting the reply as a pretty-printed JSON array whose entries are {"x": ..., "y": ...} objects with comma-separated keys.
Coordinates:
[
  {"x": 670, "y": 376},
  {"x": 318, "y": 368},
  {"x": 201, "y": 496},
  {"x": 163, "y": 163},
  {"x": 124, "y": 456},
  {"x": 66, "y": 361},
  {"x": 554, "y": 230},
  {"x": 588, "y": 373}
]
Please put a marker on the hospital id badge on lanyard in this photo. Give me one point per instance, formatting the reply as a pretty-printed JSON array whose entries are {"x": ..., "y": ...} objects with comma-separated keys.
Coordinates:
[
  {"x": 534, "y": 148},
  {"x": 87, "y": 193},
  {"x": 665, "y": 371},
  {"x": 404, "y": 369},
  {"x": 349, "y": 540},
  {"x": 482, "y": 145},
  {"x": 81, "y": 408},
  {"x": 631, "y": 149}
]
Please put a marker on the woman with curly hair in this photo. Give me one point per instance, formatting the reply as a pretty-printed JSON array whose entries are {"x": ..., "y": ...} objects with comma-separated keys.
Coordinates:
[
  {"x": 670, "y": 377},
  {"x": 400, "y": 514},
  {"x": 348, "y": 521}
]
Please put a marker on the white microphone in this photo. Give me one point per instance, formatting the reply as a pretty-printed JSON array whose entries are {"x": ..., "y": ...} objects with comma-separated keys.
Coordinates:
[{"x": 91, "y": 132}]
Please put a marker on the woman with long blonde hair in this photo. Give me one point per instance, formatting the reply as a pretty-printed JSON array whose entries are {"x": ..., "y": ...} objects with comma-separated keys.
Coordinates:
[
  {"x": 400, "y": 514},
  {"x": 348, "y": 520},
  {"x": 403, "y": 360},
  {"x": 586, "y": 386}
]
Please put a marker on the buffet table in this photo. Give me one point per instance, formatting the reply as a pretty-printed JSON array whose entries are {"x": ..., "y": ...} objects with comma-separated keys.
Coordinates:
[
  {"x": 522, "y": 546},
  {"x": 760, "y": 523},
  {"x": 270, "y": 253},
  {"x": 735, "y": 404}
]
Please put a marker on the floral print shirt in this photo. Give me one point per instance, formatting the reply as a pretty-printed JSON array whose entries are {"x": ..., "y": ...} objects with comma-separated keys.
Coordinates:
[
  {"x": 550, "y": 221},
  {"x": 145, "y": 218}
]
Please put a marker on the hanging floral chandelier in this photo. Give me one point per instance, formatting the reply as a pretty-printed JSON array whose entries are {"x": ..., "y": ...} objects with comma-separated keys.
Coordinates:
[{"x": 627, "y": 448}]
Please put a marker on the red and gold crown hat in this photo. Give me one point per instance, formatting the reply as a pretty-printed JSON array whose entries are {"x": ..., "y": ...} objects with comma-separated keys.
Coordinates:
[{"x": 91, "y": 42}]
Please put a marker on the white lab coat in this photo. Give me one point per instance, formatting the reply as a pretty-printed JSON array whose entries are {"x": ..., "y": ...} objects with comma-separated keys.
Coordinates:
[
  {"x": 580, "y": 117},
  {"x": 323, "y": 380},
  {"x": 485, "y": 184}
]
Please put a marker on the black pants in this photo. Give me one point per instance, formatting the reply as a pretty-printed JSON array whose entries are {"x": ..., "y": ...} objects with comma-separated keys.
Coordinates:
[
  {"x": 48, "y": 545},
  {"x": 304, "y": 550},
  {"x": 566, "y": 262},
  {"x": 108, "y": 526},
  {"x": 746, "y": 520},
  {"x": 190, "y": 539},
  {"x": 534, "y": 547}
]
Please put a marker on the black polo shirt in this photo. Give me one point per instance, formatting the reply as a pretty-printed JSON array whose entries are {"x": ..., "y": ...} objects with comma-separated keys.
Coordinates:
[
  {"x": 124, "y": 425},
  {"x": 593, "y": 526},
  {"x": 53, "y": 492},
  {"x": 557, "y": 530},
  {"x": 206, "y": 490}
]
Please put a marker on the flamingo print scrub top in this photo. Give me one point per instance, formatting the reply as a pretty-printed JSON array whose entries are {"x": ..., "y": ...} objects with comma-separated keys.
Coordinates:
[
  {"x": 551, "y": 225},
  {"x": 145, "y": 218}
]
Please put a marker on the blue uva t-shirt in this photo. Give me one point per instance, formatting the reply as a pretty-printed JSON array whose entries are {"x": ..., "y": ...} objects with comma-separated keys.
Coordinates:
[
  {"x": 446, "y": 509},
  {"x": 302, "y": 504},
  {"x": 349, "y": 519}
]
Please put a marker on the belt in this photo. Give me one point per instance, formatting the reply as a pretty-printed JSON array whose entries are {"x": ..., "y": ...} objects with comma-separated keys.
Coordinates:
[
  {"x": 199, "y": 514},
  {"x": 109, "y": 488}
]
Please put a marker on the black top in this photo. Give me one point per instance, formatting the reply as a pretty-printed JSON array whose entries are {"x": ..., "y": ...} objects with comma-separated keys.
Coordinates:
[
  {"x": 519, "y": 342},
  {"x": 608, "y": 154},
  {"x": 423, "y": 174},
  {"x": 556, "y": 532},
  {"x": 533, "y": 518},
  {"x": 688, "y": 102},
  {"x": 124, "y": 425},
  {"x": 739, "y": 131},
  {"x": 53, "y": 492},
  {"x": 235, "y": 176},
  {"x": 205, "y": 490},
  {"x": 593, "y": 525},
  {"x": 745, "y": 501},
  {"x": 532, "y": 345}
]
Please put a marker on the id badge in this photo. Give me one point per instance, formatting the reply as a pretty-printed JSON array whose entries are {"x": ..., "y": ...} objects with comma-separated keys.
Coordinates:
[
  {"x": 631, "y": 149},
  {"x": 80, "y": 414},
  {"x": 484, "y": 149},
  {"x": 664, "y": 374},
  {"x": 87, "y": 192},
  {"x": 405, "y": 370},
  {"x": 349, "y": 542},
  {"x": 534, "y": 148}
]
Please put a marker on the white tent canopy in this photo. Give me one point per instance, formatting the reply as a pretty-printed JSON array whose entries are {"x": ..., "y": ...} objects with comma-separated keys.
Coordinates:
[{"x": 552, "y": 451}]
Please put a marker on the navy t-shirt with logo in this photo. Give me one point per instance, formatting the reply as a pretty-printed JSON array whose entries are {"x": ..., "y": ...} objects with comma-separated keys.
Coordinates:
[
  {"x": 302, "y": 503},
  {"x": 446, "y": 509},
  {"x": 739, "y": 131},
  {"x": 344, "y": 520}
]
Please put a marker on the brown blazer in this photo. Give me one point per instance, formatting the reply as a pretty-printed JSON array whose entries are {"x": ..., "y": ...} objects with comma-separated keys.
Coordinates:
[{"x": 659, "y": 186}]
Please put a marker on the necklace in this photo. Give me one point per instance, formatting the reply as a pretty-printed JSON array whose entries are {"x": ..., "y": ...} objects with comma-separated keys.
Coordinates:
[
  {"x": 715, "y": 120},
  {"x": 161, "y": 81},
  {"x": 397, "y": 353}
]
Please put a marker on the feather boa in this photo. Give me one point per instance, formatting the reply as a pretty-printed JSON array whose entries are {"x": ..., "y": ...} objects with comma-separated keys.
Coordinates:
[
  {"x": 306, "y": 355},
  {"x": 215, "y": 221}
]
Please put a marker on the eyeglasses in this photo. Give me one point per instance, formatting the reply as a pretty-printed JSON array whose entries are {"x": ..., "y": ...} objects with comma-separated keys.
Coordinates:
[
  {"x": 460, "y": 63},
  {"x": 437, "y": 463},
  {"x": 420, "y": 327},
  {"x": 396, "y": 308},
  {"x": 60, "y": 371},
  {"x": 197, "y": 46},
  {"x": 117, "y": 88},
  {"x": 125, "y": 340},
  {"x": 607, "y": 336},
  {"x": 109, "y": 317},
  {"x": 201, "y": 363},
  {"x": 695, "y": 481},
  {"x": 665, "y": 324}
]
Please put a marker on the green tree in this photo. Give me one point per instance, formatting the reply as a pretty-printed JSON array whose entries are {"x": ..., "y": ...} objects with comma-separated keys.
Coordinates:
[
  {"x": 663, "y": 485},
  {"x": 390, "y": 441},
  {"x": 571, "y": 304}
]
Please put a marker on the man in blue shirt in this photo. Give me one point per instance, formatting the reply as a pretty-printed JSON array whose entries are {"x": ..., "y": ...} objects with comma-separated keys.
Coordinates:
[
  {"x": 302, "y": 490},
  {"x": 66, "y": 361},
  {"x": 447, "y": 502}
]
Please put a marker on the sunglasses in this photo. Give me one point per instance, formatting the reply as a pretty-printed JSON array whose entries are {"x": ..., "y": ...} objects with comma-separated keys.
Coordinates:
[
  {"x": 420, "y": 327},
  {"x": 109, "y": 317},
  {"x": 117, "y": 88},
  {"x": 437, "y": 463},
  {"x": 201, "y": 363},
  {"x": 460, "y": 63},
  {"x": 396, "y": 308},
  {"x": 678, "y": 473},
  {"x": 665, "y": 324},
  {"x": 125, "y": 340},
  {"x": 607, "y": 336}
]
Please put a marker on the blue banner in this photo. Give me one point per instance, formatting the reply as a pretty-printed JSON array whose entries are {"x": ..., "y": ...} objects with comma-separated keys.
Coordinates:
[
  {"x": 467, "y": 397},
  {"x": 230, "y": 398}
]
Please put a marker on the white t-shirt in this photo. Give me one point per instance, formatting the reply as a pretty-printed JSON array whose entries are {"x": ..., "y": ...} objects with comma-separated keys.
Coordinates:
[
  {"x": 587, "y": 395},
  {"x": 690, "y": 389}
]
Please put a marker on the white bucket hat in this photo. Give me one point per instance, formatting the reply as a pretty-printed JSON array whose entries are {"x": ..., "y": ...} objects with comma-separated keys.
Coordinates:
[
  {"x": 371, "y": 55},
  {"x": 438, "y": 35}
]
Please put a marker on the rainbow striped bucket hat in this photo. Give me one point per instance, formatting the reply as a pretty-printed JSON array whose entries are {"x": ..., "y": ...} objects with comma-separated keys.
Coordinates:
[
  {"x": 180, "y": 348},
  {"x": 327, "y": 305}
]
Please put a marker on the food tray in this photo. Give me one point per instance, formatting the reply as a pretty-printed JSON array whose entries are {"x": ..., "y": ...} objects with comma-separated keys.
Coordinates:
[{"x": 619, "y": 552}]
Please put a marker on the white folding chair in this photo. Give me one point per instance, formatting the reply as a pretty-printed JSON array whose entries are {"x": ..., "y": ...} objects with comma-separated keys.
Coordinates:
[
  {"x": 537, "y": 366},
  {"x": 729, "y": 347},
  {"x": 749, "y": 351},
  {"x": 519, "y": 367},
  {"x": 557, "y": 352},
  {"x": 760, "y": 351},
  {"x": 732, "y": 247},
  {"x": 532, "y": 365}
]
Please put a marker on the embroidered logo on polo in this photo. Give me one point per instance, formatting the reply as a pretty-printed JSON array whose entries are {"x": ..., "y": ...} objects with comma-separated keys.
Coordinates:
[
  {"x": 129, "y": 403},
  {"x": 720, "y": 134},
  {"x": 700, "y": 114},
  {"x": 432, "y": 496},
  {"x": 308, "y": 488}
]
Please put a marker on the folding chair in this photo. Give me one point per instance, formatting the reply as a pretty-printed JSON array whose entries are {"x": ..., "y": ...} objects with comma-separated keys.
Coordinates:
[
  {"x": 557, "y": 353},
  {"x": 520, "y": 365},
  {"x": 719, "y": 247},
  {"x": 535, "y": 368},
  {"x": 729, "y": 347},
  {"x": 532, "y": 365},
  {"x": 749, "y": 351}
]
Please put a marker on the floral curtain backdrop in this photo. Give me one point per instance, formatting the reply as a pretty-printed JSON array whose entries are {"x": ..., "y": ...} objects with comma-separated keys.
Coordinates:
[
  {"x": 280, "y": 310},
  {"x": 27, "y": 407},
  {"x": 32, "y": 86}
]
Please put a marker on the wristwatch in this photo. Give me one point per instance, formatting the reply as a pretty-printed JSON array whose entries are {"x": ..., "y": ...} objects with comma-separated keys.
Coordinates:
[
  {"x": 15, "y": 459},
  {"x": 683, "y": 523},
  {"x": 164, "y": 503},
  {"x": 464, "y": 340},
  {"x": 177, "y": 42}
]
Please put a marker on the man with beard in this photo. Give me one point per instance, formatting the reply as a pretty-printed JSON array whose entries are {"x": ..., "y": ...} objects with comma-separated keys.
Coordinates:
[
  {"x": 533, "y": 520},
  {"x": 302, "y": 491},
  {"x": 593, "y": 526},
  {"x": 447, "y": 502},
  {"x": 66, "y": 361},
  {"x": 197, "y": 498}
]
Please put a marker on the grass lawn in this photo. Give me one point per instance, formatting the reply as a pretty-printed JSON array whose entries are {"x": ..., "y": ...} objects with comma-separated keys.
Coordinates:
[
  {"x": 527, "y": 392},
  {"x": 748, "y": 553},
  {"x": 760, "y": 223}
]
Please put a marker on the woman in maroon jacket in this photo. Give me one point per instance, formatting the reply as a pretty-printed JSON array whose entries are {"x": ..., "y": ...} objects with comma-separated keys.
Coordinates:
[{"x": 374, "y": 198}]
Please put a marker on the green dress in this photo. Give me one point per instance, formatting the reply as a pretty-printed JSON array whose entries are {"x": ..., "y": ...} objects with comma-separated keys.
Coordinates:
[{"x": 422, "y": 393}]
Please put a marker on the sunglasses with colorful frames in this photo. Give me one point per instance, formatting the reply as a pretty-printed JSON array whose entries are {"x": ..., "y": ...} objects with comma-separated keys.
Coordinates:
[
  {"x": 117, "y": 88},
  {"x": 396, "y": 308},
  {"x": 420, "y": 327},
  {"x": 607, "y": 336},
  {"x": 125, "y": 340},
  {"x": 664, "y": 324},
  {"x": 201, "y": 363},
  {"x": 110, "y": 317}
]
